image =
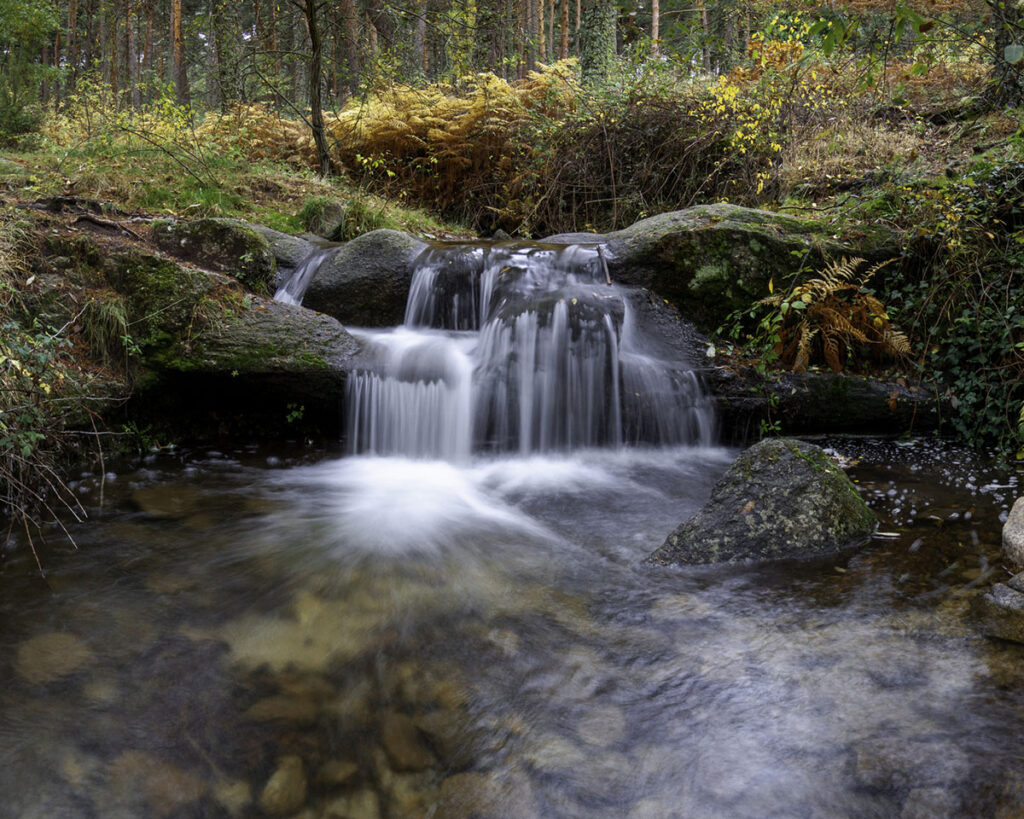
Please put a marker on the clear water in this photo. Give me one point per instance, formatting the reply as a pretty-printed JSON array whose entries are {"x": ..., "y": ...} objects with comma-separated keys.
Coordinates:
[
  {"x": 240, "y": 608},
  {"x": 458, "y": 622}
]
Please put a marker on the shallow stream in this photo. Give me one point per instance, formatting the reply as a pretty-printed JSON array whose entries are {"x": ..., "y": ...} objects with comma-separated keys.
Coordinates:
[{"x": 379, "y": 636}]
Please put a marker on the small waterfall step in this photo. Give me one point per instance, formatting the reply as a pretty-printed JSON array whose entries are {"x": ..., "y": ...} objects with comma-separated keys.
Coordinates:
[{"x": 521, "y": 349}]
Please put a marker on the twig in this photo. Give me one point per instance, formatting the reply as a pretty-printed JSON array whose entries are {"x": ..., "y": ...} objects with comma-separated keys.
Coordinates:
[{"x": 96, "y": 220}]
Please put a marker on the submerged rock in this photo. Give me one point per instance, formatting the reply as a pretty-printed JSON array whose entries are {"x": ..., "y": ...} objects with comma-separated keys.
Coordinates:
[
  {"x": 1013, "y": 534},
  {"x": 1000, "y": 611},
  {"x": 285, "y": 791},
  {"x": 780, "y": 499},
  {"x": 366, "y": 282},
  {"x": 225, "y": 245},
  {"x": 402, "y": 744},
  {"x": 48, "y": 657}
]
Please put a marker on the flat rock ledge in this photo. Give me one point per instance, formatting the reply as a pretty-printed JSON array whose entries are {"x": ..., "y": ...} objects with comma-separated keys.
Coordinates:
[{"x": 781, "y": 499}]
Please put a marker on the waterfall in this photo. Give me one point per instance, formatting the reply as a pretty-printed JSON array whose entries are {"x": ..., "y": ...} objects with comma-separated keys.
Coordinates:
[
  {"x": 513, "y": 349},
  {"x": 293, "y": 290}
]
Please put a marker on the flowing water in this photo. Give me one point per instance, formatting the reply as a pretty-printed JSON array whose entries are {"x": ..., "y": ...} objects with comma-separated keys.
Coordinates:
[{"x": 457, "y": 622}]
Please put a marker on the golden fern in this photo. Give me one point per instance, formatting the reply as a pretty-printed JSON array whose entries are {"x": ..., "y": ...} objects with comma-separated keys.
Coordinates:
[{"x": 825, "y": 319}]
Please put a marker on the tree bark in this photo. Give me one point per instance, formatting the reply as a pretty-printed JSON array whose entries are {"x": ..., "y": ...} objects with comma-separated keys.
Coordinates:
[
  {"x": 597, "y": 41},
  {"x": 655, "y": 25},
  {"x": 178, "y": 66},
  {"x": 326, "y": 167}
]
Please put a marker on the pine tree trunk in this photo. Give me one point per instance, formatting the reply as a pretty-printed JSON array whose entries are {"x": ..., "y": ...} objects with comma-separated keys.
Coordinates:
[
  {"x": 563, "y": 46},
  {"x": 597, "y": 41},
  {"x": 178, "y": 66}
]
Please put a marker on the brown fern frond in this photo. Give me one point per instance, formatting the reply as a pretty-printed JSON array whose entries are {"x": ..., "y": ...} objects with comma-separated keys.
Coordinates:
[
  {"x": 831, "y": 350},
  {"x": 803, "y": 350}
]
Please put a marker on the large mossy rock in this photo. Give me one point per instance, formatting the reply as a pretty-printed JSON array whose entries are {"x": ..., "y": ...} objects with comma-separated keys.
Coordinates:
[
  {"x": 224, "y": 245},
  {"x": 780, "y": 499},
  {"x": 366, "y": 282},
  {"x": 288, "y": 250},
  {"x": 710, "y": 260}
]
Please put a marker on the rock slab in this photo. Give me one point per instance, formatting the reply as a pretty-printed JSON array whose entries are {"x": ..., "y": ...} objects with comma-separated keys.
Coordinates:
[{"x": 781, "y": 499}]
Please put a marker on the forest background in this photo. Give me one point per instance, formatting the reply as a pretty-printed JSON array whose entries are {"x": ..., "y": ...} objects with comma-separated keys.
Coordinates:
[{"x": 892, "y": 122}]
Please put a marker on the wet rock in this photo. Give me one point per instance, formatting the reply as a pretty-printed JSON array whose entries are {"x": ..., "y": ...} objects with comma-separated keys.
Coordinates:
[
  {"x": 283, "y": 709},
  {"x": 999, "y": 612},
  {"x": 234, "y": 795},
  {"x": 816, "y": 402},
  {"x": 285, "y": 791},
  {"x": 402, "y": 744},
  {"x": 898, "y": 762},
  {"x": 366, "y": 283},
  {"x": 1013, "y": 534},
  {"x": 601, "y": 726},
  {"x": 712, "y": 259},
  {"x": 288, "y": 250},
  {"x": 780, "y": 499},
  {"x": 493, "y": 795},
  {"x": 167, "y": 500},
  {"x": 336, "y": 772},
  {"x": 225, "y": 245},
  {"x": 554, "y": 755},
  {"x": 48, "y": 657},
  {"x": 363, "y": 804},
  {"x": 928, "y": 803},
  {"x": 138, "y": 779}
]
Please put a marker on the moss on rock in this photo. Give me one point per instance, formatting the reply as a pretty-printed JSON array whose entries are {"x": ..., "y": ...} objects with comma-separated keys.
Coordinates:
[
  {"x": 224, "y": 245},
  {"x": 780, "y": 499}
]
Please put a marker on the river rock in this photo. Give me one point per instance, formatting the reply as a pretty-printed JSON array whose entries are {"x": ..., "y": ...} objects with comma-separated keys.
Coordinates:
[
  {"x": 366, "y": 282},
  {"x": 710, "y": 260},
  {"x": 781, "y": 498},
  {"x": 48, "y": 657},
  {"x": 1013, "y": 534},
  {"x": 288, "y": 250},
  {"x": 402, "y": 744},
  {"x": 999, "y": 612},
  {"x": 363, "y": 804},
  {"x": 486, "y": 796},
  {"x": 234, "y": 795},
  {"x": 138, "y": 777},
  {"x": 225, "y": 245},
  {"x": 288, "y": 710},
  {"x": 285, "y": 791}
]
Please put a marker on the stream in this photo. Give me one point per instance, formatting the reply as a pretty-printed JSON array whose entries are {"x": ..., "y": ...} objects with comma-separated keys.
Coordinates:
[{"x": 447, "y": 615}]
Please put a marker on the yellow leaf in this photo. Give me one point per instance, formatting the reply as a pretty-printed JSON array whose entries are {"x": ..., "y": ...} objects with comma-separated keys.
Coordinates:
[{"x": 771, "y": 285}]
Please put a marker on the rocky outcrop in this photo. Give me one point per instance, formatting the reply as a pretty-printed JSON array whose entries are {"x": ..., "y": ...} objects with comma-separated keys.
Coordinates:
[
  {"x": 1013, "y": 534},
  {"x": 288, "y": 250},
  {"x": 710, "y": 260},
  {"x": 366, "y": 282},
  {"x": 224, "y": 245},
  {"x": 780, "y": 499},
  {"x": 808, "y": 403}
]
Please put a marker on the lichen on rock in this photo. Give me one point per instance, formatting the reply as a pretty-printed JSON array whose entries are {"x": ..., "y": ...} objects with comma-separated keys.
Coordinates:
[{"x": 781, "y": 498}]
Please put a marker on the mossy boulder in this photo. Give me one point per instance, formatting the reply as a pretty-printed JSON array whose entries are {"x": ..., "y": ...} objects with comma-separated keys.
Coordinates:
[
  {"x": 366, "y": 282},
  {"x": 224, "y": 245},
  {"x": 710, "y": 260},
  {"x": 288, "y": 250},
  {"x": 780, "y": 499},
  {"x": 999, "y": 612}
]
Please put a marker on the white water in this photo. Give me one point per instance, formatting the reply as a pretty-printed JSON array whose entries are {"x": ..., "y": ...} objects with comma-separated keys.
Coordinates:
[{"x": 518, "y": 350}]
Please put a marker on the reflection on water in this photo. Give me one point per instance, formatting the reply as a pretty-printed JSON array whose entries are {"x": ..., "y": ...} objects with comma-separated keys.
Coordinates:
[{"x": 257, "y": 634}]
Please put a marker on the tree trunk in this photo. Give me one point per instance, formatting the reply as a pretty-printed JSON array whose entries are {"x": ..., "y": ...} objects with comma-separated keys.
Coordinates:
[
  {"x": 132, "y": 54},
  {"x": 597, "y": 41},
  {"x": 655, "y": 25},
  {"x": 178, "y": 66},
  {"x": 351, "y": 21},
  {"x": 1007, "y": 86},
  {"x": 315, "y": 83},
  {"x": 563, "y": 46}
]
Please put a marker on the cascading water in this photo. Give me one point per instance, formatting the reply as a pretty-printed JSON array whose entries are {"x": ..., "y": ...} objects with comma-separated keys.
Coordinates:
[
  {"x": 518, "y": 349},
  {"x": 293, "y": 290}
]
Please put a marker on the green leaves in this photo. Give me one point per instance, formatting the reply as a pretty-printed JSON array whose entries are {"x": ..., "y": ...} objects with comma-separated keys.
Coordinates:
[{"x": 1013, "y": 53}]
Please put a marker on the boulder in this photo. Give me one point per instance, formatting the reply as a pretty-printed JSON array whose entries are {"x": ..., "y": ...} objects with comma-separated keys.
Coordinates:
[
  {"x": 808, "y": 403},
  {"x": 710, "y": 260},
  {"x": 288, "y": 250},
  {"x": 285, "y": 791},
  {"x": 999, "y": 612},
  {"x": 366, "y": 282},
  {"x": 780, "y": 499},
  {"x": 1013, "y": 534},
  {"x": 224, "y": 245}
]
